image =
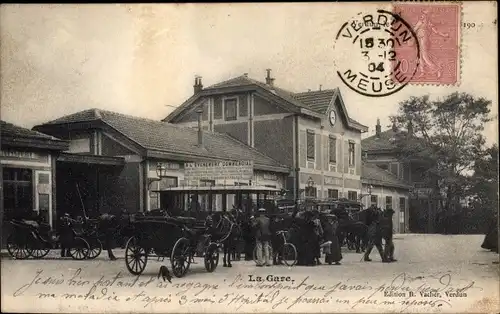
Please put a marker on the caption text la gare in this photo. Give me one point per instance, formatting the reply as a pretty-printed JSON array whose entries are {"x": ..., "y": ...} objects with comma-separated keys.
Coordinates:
[{"x": 270, "y": 278}]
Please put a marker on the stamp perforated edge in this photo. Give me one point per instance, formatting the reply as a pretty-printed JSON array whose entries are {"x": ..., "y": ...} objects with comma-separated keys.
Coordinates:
[{"x": 460, "y": 36}]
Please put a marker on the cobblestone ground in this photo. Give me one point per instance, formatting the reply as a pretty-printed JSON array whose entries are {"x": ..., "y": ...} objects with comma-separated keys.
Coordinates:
[{"x": 434, "y": 273}]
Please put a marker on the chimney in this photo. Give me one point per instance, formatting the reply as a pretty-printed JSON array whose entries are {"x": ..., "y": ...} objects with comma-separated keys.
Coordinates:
[
  {"x": 197, "y": 87},
  {"x": 378, "y": 128},
  {"x": 269, "y": 79},
  {"x": 320, "y": 86},
  {"x": 199, "y": 111},
  {"x": 410, "y": 128}
]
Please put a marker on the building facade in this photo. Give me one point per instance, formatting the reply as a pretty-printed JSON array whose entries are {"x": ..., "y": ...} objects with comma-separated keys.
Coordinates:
[
  {"x": 27, "y": 160},
  {"x": 111, "y": 161},
  {"x": 381, "y": 150},
  {"x": 309, "y": 132}
]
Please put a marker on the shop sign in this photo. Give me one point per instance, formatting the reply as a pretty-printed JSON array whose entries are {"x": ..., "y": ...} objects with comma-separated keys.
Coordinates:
[
  {"x": 333, "y": 181},
  {"x": 19, "y": 154},
  {"x": 223, "y": 170}
]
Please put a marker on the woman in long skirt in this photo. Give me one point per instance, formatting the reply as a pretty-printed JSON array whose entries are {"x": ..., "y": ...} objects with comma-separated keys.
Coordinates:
[{"x": 334, "y": 254}]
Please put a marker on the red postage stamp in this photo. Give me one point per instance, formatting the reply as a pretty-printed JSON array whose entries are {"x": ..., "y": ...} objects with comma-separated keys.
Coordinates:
[{"x": 437, "y": 28}]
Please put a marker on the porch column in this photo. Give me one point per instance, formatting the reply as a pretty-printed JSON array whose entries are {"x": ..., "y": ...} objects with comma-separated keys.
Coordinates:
[{"x": 53, "y": 220}]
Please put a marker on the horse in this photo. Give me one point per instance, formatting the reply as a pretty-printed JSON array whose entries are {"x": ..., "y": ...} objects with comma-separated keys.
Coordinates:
[
  {"x": 227, "y": 232},
  {"x": 352, "y": 230}
]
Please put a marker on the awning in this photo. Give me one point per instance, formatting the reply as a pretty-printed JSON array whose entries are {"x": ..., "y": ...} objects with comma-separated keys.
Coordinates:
[{"x": 91, "y": 159}]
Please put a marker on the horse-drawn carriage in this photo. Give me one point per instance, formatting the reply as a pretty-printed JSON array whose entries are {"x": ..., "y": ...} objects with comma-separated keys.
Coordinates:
[
  {"x": 30, "y": 238},
  {"x": 177, "y": 238}
]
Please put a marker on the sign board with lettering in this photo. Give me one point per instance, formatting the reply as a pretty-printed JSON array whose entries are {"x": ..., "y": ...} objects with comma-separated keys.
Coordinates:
[
  {"x": 333, "y": 181},
  {"x": 222, "y": 170},
  {"x": 23, "y": 155}
]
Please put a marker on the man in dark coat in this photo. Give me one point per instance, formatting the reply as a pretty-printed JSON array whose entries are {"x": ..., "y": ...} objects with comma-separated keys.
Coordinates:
[
  {"x": 374, "y": 233},
  {"x": 387, "y": 234}
]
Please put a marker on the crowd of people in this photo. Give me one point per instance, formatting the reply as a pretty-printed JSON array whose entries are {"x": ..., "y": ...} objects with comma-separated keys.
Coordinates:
[{"x": 312, "y": 232}]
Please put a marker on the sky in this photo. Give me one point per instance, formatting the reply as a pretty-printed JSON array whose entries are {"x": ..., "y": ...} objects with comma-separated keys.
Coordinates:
[{"x": 141, "y": 59}]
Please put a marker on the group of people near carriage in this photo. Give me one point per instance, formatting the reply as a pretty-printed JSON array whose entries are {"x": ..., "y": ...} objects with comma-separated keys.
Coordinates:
[
  {"x": 261, "y": 235},
  {"x": 313, "y": 232}
]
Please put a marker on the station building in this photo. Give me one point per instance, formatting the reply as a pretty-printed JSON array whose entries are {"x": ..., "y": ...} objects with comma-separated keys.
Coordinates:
[
  {"x": 111, "y": 162},
  {"x": 310, "y": 132}
]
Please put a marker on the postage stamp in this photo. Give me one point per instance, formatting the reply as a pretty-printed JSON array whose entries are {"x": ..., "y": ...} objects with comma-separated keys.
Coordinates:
[{"x": 437, "y": 27}]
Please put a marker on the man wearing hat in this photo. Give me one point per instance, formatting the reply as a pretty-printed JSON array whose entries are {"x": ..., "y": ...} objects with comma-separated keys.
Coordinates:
[
  {"x": 387, "y": 234},
  {"x": 262, "y": 237}
]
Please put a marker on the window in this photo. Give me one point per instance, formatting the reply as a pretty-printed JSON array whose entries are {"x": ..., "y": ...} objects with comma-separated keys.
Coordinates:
[
  {"x": 352, "y": 195},
  {"x": 18, "y": 189},
  {"x": 333, "y": 149},
  {"x": 230, "y": 106},
  {"x": 43, "y": 206},
  {"x": 388, "y": 202},
  {"x": 217, "y": 109},
  {"x": 310, "y": 144},
  {"x": 310, "y": 191},
  {"x": 333, "y": 193},
  {"x": 374, "y": 200},
  {"x": 402, "y": 204},
  {"x": 352, "y": 154}
]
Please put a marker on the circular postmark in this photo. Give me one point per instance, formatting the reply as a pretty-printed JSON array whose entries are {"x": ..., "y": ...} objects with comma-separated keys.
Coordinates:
[{"x": 373, "y": 52}]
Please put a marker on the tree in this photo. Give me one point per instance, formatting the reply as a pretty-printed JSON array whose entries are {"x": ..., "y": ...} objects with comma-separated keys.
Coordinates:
[
  {"x": 484, "y": 181},
  {"x": 445, "y": 137}
]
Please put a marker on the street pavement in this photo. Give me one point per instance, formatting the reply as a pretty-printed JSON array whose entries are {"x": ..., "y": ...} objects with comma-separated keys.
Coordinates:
[{"x": 434, "y": 273}]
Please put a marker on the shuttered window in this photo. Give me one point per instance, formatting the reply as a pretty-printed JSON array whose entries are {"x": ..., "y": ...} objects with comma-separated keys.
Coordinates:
[
  {"x": 388, "y": 202},
  {"x": 230, "y": 109},
  {"x": 352, "y": 154},
  {"x": 310, "y": 144},
  {"x": 332, "y": 149},
  {"x": 352, "y": 195}
]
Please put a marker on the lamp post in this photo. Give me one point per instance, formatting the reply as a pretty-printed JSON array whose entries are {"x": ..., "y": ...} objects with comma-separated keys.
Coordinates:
[{"x": 161, "y": 172}]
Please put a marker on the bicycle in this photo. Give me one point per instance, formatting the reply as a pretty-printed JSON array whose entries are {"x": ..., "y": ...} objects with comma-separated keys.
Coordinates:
[{"x": 288, "y": 251}]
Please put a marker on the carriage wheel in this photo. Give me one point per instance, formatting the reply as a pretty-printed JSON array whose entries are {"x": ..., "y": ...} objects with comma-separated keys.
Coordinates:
[
  {"x": 18, "y": 250},
  {"x": 180, "y": 257},
  {"x": 80, "y": 249},
  {"x": 211, "y": 257},
  {"x": 136, "y": 257},
  {"x": 289, "y": 254},
  {"x": 95, "y": 248}
]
